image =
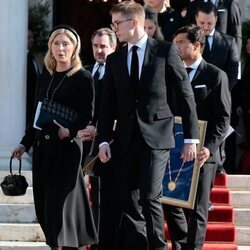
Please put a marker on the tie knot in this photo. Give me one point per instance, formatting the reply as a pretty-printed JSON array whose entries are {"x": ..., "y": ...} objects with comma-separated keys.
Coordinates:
[
  {"x": 188, "y": 69},
  {"x": 134, "y": 48},
  {"x": 99, "y": 65}
]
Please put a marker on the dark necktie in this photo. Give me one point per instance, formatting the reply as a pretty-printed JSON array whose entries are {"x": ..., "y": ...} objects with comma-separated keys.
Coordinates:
[
  {"x": 98, "y": 72},
  {"x": 188, "y": 69},
  {"x": 206, "y": 52},
  {"x": 134, "y": 70}
]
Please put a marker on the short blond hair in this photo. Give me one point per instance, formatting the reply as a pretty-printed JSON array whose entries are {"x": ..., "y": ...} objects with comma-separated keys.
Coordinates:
[
  {"x": 130, "y": 9},
  {"x": 76, "y": 63}
]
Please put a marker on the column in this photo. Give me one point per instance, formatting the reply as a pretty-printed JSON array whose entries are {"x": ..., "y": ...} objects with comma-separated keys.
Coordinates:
[{"x": 13, "y": 56}]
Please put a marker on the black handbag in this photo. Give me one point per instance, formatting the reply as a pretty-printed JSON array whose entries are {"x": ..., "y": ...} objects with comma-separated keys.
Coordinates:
[
  {"x": 14, "y": 184},
  {"x": 51, "y": 110}
]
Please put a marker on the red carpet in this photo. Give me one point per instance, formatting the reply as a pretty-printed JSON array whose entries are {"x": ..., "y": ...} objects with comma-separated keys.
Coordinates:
[{"x": 221, "y": 230}]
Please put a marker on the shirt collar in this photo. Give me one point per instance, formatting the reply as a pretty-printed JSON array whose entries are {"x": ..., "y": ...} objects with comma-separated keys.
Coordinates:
[
  {"x": 97, "y": 64},
  {"x": 212, "y": 33},
  {"x": 194, "y": 65},
  {"x": 140, "y": 44}
]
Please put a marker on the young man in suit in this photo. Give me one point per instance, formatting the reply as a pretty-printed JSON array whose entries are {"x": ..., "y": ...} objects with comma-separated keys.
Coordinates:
[
  {"x": 103, "y": 193},
  {"x": 229, "y": 17},
  {"x": 137, "y": 85},
  {"x": 210, "y": 86}
]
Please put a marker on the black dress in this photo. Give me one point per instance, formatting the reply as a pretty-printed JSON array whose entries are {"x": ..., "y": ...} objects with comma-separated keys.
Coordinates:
[{"x": 60, "y": 195}]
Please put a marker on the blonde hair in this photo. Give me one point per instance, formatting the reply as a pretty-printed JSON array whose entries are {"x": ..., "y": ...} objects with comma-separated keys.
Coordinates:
[{"x": 76, "y": 63}]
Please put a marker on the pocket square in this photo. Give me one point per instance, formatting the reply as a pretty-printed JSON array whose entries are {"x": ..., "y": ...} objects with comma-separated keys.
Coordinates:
[{"x": 200, "y": 86}]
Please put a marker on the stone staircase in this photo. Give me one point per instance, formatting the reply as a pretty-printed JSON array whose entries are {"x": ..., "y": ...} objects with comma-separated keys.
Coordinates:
[{"x": 19, "y": 229}]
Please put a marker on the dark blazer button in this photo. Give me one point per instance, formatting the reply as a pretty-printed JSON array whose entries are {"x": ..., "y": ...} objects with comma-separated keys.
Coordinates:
[
  {"x": 47, "y": 137},
  {"x": 136, "y": 101}
]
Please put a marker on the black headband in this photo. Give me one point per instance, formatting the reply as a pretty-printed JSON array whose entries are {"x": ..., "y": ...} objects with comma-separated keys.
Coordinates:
[{"x": 66, "y": 27}]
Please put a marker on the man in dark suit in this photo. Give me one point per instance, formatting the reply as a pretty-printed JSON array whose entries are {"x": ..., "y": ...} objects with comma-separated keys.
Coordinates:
[
  {"x": 229, "y": 17},
  {"x": 221, "y": 50},
  {"x": 137, "y": 85},
  {"x": 103, "y": 192},
  {"x": 32, "y": 77},
  {"x": 210, "y": 86}
]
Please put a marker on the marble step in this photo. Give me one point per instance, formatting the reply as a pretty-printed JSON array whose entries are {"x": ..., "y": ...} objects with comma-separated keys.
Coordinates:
[
  {"x": 235, "y": 182},
  {"x": 16, "y": 245},
  {"x": 242, "y": 216},
  {"x": 17, "y": 213},
  {"x": 23, "y": 199},
  {"x": 243, "y": 235},
  {"x": 30, "y": 232},
  {"x": 240, "y": 198}
]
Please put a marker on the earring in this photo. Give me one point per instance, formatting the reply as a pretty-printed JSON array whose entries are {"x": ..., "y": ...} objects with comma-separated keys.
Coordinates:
[{"x": 52, "y": 55}]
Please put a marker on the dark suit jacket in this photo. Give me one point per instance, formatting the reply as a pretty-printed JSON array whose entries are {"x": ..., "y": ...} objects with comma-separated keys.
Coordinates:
[
  {"x": 170, "y": 21},
  {"x": 224, "y": 55},
  {"x": 32, "y": 78},
  {"x": 98, "y": 93},
  {"x": 229, "y": 18},
  {"x": 162, "y": 69},
  {"x": 213, "y": 104}
]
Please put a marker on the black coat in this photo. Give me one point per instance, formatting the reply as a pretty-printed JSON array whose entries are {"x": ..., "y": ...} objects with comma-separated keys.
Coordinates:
[{"x": 161, "y": 71}]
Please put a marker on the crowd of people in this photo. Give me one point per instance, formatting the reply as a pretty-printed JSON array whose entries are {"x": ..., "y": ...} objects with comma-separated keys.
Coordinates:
[{"x": 172, "y": 62}]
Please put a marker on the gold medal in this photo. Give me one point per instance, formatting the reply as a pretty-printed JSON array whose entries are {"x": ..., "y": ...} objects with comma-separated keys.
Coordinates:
[{"x": 171, "y": 186}]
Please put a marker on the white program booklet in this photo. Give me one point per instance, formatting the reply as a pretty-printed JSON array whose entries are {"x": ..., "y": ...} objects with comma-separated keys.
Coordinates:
[{"x": 38, "y": 108}]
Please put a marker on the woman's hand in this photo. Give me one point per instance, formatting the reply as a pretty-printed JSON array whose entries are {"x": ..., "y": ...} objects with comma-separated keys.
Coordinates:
[
  {"x": 18, "y": 152},
  {"x": 62, "y": 131}
]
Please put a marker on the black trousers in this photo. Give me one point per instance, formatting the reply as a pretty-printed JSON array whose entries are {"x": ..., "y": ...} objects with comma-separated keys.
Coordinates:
[
  {"x": 139, "y": 177},
  {"x": 188, "y": 227},
  {"x": 106, "y": 207}
]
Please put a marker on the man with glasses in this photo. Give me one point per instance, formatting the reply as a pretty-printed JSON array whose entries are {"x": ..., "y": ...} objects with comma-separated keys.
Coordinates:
[{"x": 138, "y": 83}]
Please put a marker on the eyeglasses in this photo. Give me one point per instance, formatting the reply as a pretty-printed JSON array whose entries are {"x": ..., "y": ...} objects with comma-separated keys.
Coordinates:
[{"x": 116, "y": 24}]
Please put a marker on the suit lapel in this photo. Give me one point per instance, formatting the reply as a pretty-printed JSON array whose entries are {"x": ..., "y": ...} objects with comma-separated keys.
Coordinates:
[
  {"x": 123, "y": 66},
  {"x": 197, "y": 73},
  {"x": 215, "y": 37},
  {"x": 149, "y": 56}
]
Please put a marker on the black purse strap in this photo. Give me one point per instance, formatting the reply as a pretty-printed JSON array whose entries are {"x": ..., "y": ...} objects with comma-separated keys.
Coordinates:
[{"x": 20, "y": 165}]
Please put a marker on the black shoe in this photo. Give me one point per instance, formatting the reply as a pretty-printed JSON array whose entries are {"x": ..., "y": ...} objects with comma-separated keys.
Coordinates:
[
  {"x": 210, "y": 207},
  {"x": 220, "y": 170}
]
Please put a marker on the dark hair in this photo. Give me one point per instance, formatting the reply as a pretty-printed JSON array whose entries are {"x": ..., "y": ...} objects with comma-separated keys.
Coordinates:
[
  {"x": 194, "y": 34},
  {"x": 106, "y": 31},
  {"x": 151, "y": 15},
  {"x": 207, "y": 8}
]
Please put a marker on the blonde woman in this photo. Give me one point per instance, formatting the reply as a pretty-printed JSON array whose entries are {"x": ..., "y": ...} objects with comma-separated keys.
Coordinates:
[{"x": 60, "y": 196}]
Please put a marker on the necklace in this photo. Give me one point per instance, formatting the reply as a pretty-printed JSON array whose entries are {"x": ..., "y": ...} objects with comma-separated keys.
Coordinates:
[
  {"x": 172, "y": 184},
  {"x": 59, "y": 84}
]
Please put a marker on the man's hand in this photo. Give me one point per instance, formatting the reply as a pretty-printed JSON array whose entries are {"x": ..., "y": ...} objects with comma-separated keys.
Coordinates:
[
  {"x": 104, "y": 153},
  {"x": 88, "y": 133},
  {"x": 202, "y": 156},
  {"x": 189, "y": 152}
]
